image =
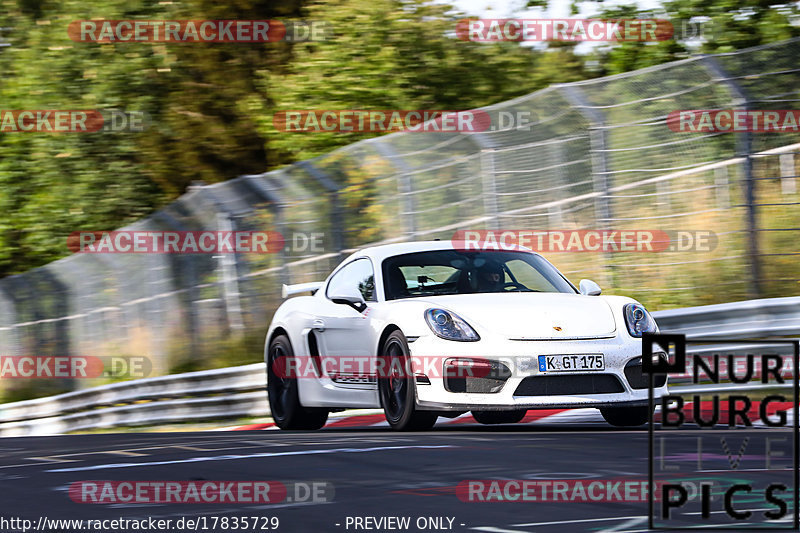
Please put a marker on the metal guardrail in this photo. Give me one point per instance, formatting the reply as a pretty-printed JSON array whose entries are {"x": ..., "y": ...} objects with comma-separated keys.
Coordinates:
[
  {"x": 774, "y": 317},
  {"x": 240, "y": 391},
  {"x": 234, "y": 392}
]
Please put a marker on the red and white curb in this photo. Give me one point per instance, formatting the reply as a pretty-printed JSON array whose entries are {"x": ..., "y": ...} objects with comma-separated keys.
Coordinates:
[{"x": 374, "y": 418}]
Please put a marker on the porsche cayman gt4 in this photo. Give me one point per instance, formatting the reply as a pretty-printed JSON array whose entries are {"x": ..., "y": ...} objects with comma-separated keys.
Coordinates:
[{"x": 429, "y": 329}]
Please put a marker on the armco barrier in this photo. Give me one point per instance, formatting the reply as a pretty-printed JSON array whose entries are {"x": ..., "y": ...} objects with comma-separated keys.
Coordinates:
[
  {"x": 775, "y": 317},
  {"x": 210, "y": 394},
  {"x": 240, "y": 391}
]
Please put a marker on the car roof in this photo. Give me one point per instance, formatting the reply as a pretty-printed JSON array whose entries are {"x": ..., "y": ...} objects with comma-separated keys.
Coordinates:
[{"x": 381, "y": 252}]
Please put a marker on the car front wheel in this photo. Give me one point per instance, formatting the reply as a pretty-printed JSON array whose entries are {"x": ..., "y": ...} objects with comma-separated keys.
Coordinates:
[
  {"x": 282, "y": 391},
  {"x": 397, "y": 388}
]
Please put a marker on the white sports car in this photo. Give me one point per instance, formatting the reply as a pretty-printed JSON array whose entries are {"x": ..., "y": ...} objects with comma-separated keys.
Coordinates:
[{"x": 428, "y": 329}]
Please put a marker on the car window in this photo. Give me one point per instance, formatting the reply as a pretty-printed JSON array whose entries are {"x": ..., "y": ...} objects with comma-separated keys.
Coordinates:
[
  {"x": 467, "y": 272},
  {"x": 418, "y": 276},
  {"x": 525, "y": 274},
  {"x": 357, "y": 274}
]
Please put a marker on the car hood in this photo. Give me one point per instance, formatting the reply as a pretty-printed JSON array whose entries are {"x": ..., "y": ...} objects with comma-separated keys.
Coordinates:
[{"x": 532, "y": 316}]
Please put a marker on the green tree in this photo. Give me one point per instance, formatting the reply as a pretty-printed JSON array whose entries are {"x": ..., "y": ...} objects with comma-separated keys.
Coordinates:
[
  {"x": 399, "y": 54},
  {"x": 200, "y": 97},
  {"x": 701, "y": 26}
]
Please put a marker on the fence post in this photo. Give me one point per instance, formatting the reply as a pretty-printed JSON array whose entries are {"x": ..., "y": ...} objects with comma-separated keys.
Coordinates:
[
  {"x": 185, "y": 264},
  {"x": 598, "y": 140},
  {"x": 488, "y": 179},
  {"x": 260, "y": 186},
  {"x": 557, "y": 155},
  {"x": 336, "y": 212},
  {"x": 230, "y": 283},
  {"x": 489, "y": 188},
  {"x": 404, "y": 182},
  {"x": 598, "y": 147},
  {"x": 228, "y": 265},
  {"x": 19, "y": 292},
  {"x": 744, "y": 149},
  {"x": 11, "y": 344}
]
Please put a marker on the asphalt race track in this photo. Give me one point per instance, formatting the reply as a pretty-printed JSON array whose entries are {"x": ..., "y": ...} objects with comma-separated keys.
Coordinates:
[{"x": 375, "y": 472}]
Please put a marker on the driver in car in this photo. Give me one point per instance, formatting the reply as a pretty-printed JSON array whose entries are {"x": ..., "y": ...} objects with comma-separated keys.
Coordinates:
[{"x": 491, "y": 278}]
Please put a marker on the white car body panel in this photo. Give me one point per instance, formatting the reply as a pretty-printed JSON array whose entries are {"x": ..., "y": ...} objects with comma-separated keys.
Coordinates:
[{"x": 511, "y": 325}]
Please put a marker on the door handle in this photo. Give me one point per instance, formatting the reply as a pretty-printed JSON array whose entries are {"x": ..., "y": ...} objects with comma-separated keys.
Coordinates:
[{"x": 318, "y": 325}]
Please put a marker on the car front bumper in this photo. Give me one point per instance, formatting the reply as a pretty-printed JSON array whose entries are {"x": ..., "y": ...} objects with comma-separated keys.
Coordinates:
[{"x": 562, "y": 389}]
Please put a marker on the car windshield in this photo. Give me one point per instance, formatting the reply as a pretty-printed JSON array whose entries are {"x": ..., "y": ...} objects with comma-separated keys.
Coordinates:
[{"x": 442, "y": 272}]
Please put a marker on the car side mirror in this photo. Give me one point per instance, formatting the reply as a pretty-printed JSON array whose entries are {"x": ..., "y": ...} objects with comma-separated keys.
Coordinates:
[
  {"x": 589, "y": 288},
  {"x": 349, "y": 296}
]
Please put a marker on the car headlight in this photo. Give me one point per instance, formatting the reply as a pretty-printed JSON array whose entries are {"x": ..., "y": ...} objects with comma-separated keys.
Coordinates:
[
  {"x": 450, "y": 326},
  {"x": 639, "y": 320}
]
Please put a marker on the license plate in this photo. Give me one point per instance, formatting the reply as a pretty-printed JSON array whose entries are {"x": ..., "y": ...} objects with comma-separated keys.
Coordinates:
[{"x": 571, "y": 363}]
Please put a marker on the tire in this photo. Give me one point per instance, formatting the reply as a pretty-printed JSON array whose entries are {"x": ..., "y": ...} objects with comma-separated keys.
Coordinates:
[
  {"x": 397, "y": 390},
  {"x": 625, "y": 416},
  {"x": 499, "y": 417},
  {"x": 282, "y": 391}
]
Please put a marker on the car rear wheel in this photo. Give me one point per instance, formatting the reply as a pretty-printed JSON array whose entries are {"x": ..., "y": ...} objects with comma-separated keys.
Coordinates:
[
  {"x": 397, "y": 389},
  {"x": 499, "y": 417},
  {"x": 625, "y": 416},
  {"x": 282, "y": 391}
]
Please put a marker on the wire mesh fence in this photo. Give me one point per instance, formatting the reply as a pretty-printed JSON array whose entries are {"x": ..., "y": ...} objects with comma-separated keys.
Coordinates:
[{"x": 596, "y": 154}]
